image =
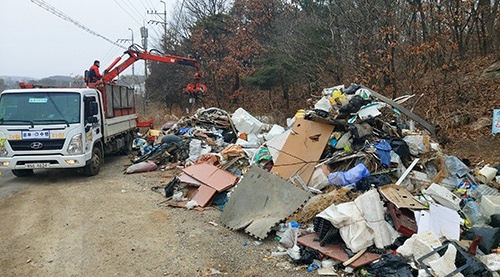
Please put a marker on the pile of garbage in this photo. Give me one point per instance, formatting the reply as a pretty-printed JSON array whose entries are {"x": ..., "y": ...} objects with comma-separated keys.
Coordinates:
[{"x": 356, "y": 183}]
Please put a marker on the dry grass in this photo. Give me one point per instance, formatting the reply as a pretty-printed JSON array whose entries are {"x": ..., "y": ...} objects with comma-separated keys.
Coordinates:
[{"x": 320, "y": 202}]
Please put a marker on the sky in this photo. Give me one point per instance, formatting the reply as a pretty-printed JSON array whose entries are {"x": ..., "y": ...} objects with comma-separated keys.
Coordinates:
[{"x": 37, "y": 43}]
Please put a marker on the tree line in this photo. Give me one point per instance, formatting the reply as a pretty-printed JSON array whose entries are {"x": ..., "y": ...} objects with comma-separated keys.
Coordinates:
[{"x": 272, "y": 55}]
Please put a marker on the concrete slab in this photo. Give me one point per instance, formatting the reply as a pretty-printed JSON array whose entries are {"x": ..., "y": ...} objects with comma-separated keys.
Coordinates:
[{"x": 260, "y": 201}]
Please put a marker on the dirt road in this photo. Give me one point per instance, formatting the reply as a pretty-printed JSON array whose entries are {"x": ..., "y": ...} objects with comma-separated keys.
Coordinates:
[{"x": 60, "y": 223}]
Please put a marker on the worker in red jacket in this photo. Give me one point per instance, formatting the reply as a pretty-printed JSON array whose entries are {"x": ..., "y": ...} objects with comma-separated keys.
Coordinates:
[{"x": 94, "y": 74}]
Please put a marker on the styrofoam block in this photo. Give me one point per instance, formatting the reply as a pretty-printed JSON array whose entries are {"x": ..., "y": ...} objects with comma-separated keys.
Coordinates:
[
  {"x": 245, "y": 122},
  {"x": 443, "y": 196},
  {"x": 419, "y": 245}
]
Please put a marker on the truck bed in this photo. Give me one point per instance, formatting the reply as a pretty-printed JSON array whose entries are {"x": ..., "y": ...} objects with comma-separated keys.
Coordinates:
[{"x": 118, "y": 125}]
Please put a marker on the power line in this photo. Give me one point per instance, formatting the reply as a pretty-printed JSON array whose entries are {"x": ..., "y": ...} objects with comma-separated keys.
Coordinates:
[
  {"x": 144, "y": 5},
  {"x": 126, "y": 12},
  {"x": 151, "y": 3},
  {"x": 60, "y": 14},
  {"x": 138, "y": 12}
]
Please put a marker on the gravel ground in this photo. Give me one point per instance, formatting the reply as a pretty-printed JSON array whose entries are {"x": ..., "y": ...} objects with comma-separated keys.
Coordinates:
[{"x": 61, "y": 223}]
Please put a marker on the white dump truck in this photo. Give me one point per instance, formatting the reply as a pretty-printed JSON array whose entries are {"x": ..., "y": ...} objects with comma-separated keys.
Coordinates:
[
  {"x": 64, "y": 127},
  {"x": 44, "y": 127}
]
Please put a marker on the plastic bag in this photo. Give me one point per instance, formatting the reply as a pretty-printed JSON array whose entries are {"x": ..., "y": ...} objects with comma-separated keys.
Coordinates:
[
  {"x": 415, "y": 144},
  {"x": 383, "y": 152},
  {"x": 376, "y": 180},
  {"x": 351, "y": 176},
  {"x": 323, "y": 104},
  {"x": 141, "y": 167},
  {"x": 455, "y": 166},
  {"x": 194, "y": 150},
  {"x": 391, "y": 266},
  {"x": 491, "y": 237}
]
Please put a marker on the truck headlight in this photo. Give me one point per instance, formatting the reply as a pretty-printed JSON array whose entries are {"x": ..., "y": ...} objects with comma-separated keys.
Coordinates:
[{"x": 76, "y": 145}]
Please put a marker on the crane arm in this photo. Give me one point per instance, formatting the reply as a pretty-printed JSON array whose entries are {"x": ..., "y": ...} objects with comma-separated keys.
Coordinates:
[{"x": 114, "y": 70}]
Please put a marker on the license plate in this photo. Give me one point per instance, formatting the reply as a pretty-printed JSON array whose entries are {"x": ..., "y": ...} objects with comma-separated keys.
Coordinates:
[
  {"x": 28, "y": 135},
  {"x": 37, "y": 165}
]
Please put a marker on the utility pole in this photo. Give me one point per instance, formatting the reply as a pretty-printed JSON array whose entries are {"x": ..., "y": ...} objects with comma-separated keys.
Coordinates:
[
  {"x": 122, "y": 40},
  {"x": 132, "y": 33},
  {"x": 144, "y": 36},
  {"x": 164, "y": 23},
  {"x": 164, "y": 18}
]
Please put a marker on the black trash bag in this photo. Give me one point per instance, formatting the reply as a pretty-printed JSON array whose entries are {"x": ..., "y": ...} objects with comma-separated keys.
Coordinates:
[
  {"x": 182, "y": 150},
  {"x": 475, "y": 267},
  {"x": 321, "y": 113},
  {"x": 491, "y": 237},
  {"x": 376, "y": 180},
  {"x": 495, "y": 220},
  {"x": 353, "y": 106},
  {"x": 360, "y": 131},
  {"x": 352, "y": 89},
  {"x": 401, "y": 148},
  {"x": 391, "y": 266},
  {"x": 307, "y": 256},
  {"x": 497, "y": 167},
  {"x": 229, "y": 136},
  {"x": 169, "y": 188}
]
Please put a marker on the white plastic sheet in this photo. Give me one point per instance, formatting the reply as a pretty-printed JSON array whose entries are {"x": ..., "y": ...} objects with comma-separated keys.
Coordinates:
[
  {"x": 353, "y": 229},
  {"x": 361, "y": 223},
  {"x": 373, "y": 212},
  {"x": 323, "y": 104},
  {"x": 194, "y": 150}
]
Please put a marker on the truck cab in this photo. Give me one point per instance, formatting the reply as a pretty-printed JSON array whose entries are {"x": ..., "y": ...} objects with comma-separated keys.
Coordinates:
[{"x": 54, "y": 128}]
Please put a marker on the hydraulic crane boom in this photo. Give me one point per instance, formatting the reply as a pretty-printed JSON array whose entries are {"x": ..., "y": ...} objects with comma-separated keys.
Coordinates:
[
  {"x": 134, "y": 55},
  {"x": 112, "y": 71}
]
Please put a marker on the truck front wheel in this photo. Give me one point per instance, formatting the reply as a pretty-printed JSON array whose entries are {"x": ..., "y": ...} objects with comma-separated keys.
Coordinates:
[
  {"x": 22, "y": 172},
  {"x": 94, "y": 164}
]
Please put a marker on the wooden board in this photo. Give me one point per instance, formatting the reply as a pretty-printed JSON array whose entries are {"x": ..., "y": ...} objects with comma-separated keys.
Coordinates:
[
  {"x": 212, "y": 176},
  {"x": 302, "y": 149},
  {"x": 204, "y": 195},
  {"x": 336, "y": 251}
]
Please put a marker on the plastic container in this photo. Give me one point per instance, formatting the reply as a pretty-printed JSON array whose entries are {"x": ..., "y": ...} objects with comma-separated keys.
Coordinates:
[
  {"x": 300, "y": 114},
  {"x": 328, "y": 263},
  {"x": 473, "y": 213},
  {"x": 487, "y": 174},
  {"x": 483, "y": 190},
  {"x": 245, "y": 122},
  {"x": 314, "y": 265},
  {"x": 490, "y": 204}
]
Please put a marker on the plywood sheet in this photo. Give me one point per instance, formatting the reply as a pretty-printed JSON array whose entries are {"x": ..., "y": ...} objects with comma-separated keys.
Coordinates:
[
  {"x": 212, "y": 176},
  {"x": 184, "y": 178},
  {"x": 336, "y": 251},
  {"x": 302, "y": 149},
  {"x": 204, "y": 195}
]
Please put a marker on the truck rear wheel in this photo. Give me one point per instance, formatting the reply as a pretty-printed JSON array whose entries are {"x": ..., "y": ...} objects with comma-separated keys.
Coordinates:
[
  {"x": 127, "y": 149},
  {"x": 94, "y": 165},
  {"x": 22, "y": 172}
]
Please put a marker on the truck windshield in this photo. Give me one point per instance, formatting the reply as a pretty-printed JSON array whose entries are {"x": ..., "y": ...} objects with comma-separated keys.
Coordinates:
[{"x": 39, "y": 108}]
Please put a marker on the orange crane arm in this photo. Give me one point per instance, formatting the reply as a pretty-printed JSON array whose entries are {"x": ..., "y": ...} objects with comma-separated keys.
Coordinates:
[{"x": 114, "y": 70}]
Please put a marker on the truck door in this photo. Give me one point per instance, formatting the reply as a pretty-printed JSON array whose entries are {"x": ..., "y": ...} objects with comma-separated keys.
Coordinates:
[{"x": 92, "y": 121}]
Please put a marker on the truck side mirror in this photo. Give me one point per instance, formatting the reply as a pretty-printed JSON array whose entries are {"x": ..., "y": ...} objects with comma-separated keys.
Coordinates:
[
  {"x": 93, "y": 109},
  {"x": 92, "y": 119}
]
